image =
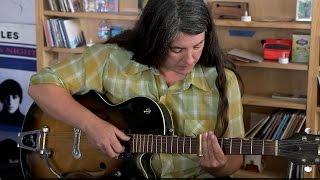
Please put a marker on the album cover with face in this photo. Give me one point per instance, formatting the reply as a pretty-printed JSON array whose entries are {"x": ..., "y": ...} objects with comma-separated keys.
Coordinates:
[{"x": 17, "y": 64}]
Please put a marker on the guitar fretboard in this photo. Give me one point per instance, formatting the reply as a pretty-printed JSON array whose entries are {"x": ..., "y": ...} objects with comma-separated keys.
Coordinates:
[{"x": 144, "y": 143}]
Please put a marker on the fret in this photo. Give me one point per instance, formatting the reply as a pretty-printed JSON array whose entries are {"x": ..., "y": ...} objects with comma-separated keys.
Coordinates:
[
  {"x": 144, "y": 142},
  {"x": 166, "y": 144},
  {"x": 240, "y": 146},
  {"x": 151, "y": 148},
  {"x": 161, "y": 144},
  {"x": 177, "y": 144},
  {"x": 132, "y": 141},
  {"x": 262, "y": 147},
  {"x": 251, "y": 146},
  {"x": 147, "y": 142},
  {"x": 140, "y": 143},
  {"x": 151, "y": 144},
  {"x": 184, "y": 138},
  {"x": 156, "y": 144},
  {"x": 136, "y": 142},
  {"x": 230, "y": 146},
  {"x": 190, "y": 145},
  {"x": 276, "y": 147},
  {"x": 171, "y": 143}
]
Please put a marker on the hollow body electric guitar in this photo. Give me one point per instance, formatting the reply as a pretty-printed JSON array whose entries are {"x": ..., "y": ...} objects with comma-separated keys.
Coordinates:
[{"x": 50, "y": 148}]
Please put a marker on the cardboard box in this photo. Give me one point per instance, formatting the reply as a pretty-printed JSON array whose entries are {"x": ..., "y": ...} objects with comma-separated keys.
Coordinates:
[{"x": 300, "y": 48}]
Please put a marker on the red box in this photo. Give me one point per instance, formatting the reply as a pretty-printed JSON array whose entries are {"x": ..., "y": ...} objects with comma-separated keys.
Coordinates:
[{"x": 273, "y": 49}]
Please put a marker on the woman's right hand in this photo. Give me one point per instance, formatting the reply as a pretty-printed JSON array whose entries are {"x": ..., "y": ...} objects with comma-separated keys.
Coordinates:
[{"x": 106, "y": 137}]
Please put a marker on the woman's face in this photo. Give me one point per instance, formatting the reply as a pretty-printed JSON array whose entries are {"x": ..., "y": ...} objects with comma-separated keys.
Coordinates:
[
  {"x": 184, "y": 53},
  {"x": 11, "y": 103}
]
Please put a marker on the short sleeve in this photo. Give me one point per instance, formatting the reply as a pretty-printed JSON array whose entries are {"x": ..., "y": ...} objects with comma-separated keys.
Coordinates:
[{"x": 79, "y": 73}]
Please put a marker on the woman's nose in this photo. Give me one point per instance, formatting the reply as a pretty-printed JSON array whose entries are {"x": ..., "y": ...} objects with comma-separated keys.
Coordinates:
[{"x": 189, "y": 57}]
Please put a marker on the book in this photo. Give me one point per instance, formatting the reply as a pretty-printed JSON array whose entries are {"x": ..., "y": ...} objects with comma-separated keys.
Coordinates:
[
  {"x": 291, "y": 123},
  {"x": 75, "y": 5},
  {"x": 283, "y": 122},
  {"x": 273, "y": 126},
  {"x": 301, "y": 124},
  {"x": 73, "y": 33},
  {"x": 255, "y": 129},
  {"x": 245, "y": 55}
]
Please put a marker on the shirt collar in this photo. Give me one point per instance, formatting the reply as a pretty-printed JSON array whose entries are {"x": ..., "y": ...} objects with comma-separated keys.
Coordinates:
[{"x": 196, "y": 78}]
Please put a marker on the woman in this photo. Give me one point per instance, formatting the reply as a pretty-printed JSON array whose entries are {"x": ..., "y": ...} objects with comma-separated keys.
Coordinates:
[{"x": 171, "y": 55}]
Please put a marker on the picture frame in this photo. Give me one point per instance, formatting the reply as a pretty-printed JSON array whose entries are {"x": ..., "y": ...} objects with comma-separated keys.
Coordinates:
[{"x": 304, "y": 10}]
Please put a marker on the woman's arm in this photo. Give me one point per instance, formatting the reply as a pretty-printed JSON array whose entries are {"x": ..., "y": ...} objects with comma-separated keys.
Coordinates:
[{"x": 57, "y": 102}]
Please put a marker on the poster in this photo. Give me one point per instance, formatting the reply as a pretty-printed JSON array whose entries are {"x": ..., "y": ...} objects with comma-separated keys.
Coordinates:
[{"x": 17, "y": 64}]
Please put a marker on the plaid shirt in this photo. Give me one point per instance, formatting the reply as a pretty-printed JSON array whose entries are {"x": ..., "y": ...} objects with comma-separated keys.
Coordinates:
[{"x": 192, "y": 102}]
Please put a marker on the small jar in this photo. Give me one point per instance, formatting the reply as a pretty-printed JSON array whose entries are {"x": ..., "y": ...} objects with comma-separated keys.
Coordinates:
[{"x": 103, "y": 30}]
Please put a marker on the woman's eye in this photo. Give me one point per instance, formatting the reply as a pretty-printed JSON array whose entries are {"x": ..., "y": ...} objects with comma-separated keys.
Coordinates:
[
  {"x": 198, "y": 46},
  {"x": 176, "y": 50}
]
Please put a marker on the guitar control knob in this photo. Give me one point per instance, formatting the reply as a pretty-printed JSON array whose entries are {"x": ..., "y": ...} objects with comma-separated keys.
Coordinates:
[
  {"x": 117, "y": 174},
  {"x": 307, "y": 169},
  {"x": 307, "y": 130}
]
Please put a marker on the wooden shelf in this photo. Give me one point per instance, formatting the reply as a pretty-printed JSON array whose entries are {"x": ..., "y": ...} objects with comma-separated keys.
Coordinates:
[
  {"x": 65, "y": 50},
  {"x": 128, "y": 16},
  {"x": 274, "y": 65},
  {"x": 255, "y": 100},
  {"x": 264, "y": 174},
  {"x": 255, "y": 24}
]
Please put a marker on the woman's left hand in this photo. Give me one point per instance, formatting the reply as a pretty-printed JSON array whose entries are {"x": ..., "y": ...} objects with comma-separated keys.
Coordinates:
[{"x": 213, "y": 158}]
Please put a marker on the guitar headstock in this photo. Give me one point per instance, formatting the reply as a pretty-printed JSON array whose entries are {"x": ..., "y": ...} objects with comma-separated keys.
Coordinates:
[{"x": 301, "y": 149}]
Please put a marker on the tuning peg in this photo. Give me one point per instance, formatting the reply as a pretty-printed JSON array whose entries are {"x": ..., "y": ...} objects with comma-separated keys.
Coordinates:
[
  {"x": 307, "y": 169},
  {"x": 307, "y": 130}
]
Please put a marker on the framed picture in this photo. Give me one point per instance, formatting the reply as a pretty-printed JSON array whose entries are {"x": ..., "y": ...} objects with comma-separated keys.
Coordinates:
[{"x": 304, "y": 10}]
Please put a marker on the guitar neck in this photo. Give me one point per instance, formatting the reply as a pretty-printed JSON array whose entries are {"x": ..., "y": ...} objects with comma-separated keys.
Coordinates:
[{"x": 144, "y": 143}]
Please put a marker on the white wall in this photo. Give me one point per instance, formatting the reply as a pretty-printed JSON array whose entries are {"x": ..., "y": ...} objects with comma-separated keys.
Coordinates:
[{"x": 17, "y": 11}]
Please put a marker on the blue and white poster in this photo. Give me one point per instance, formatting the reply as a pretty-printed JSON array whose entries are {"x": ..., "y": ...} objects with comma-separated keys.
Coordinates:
[{"x": 17, "y": 64}]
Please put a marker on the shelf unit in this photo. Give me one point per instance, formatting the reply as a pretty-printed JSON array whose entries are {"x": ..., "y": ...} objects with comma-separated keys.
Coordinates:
[
  {"x": 89, "y": 23},
  {"x": 256, "y": 24},
  {"x": 261, "y": 79},
  {"x": 255, "y": 100},
  {"x": 255, "y": 96},
  {"x": 274, "y": 65},
  {"x": 131, "y": 16}
]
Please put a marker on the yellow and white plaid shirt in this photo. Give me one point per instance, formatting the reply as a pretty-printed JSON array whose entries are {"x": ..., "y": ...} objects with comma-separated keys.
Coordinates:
[{"x": 192, "y": 102}]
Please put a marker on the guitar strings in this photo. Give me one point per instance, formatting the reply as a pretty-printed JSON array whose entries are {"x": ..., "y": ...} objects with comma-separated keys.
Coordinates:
[{"x": 236, "y": 143}]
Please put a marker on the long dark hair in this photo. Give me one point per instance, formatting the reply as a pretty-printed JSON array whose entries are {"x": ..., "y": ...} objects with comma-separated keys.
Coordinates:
[
  {"x": 10, "y": 87},
  {"x": 159, "y": 23}
]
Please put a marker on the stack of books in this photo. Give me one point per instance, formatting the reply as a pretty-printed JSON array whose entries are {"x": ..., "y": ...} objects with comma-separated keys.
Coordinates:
[
  {"x": 281, "y": 124},
  {"x": 63, "y": 33}
]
